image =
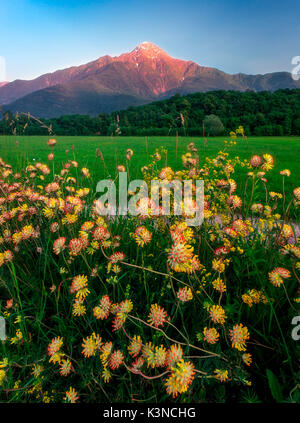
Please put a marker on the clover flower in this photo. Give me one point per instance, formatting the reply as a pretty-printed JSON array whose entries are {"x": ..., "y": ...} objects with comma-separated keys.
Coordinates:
[
  {"x": 135, "y": 346},
  {"x": 55, "y": 345},
  {"x": 239, "y": 334},
  {"x": 115, "y": 360},
  {"x": 102, "y": 311},
  {"x": 157, "y": 316},
  {"x": 79, "y": 286},
  {"x": 90, "y": 345},
  {"x": 182, "y": 376},
  {"x": 211, "y": 335},
  {"x": 65, "y": 367},
  {"x": 142, "y": 236},
  {"x": 59, "y": 245},
  {"x": 277, "y": 276},
  {"x": 221, "y": 375},
  {"x": 71, "y": 396},
  {"x": 217, "y": 314},
  {"x": 184, "y": 294}
]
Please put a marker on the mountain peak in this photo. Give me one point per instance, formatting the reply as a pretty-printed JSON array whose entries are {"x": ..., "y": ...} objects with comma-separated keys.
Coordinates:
[{"x": 149, "y": 49}]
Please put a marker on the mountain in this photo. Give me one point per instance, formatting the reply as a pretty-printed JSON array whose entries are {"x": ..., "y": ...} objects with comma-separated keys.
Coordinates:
[
  {"x": 112, "y": 83},
  {"x": 3, "y": 83}
]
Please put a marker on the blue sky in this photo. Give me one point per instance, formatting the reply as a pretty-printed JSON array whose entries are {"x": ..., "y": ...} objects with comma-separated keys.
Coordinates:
[{"x": 38, "y": 36}]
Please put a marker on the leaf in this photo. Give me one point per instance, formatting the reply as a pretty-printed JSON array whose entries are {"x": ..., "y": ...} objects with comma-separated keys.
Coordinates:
[{"x": 274, "y": 385}]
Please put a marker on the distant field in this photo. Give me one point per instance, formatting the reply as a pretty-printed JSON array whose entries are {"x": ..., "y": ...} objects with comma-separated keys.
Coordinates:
[{"x": 286, "y": 152}]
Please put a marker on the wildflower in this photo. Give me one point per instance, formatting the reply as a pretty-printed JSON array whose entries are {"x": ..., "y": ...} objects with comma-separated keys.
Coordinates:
[
  {"x": 160, "y": 356},
  {"x": 51, "y": 142},
  {"x": 106, "y": 375},
  {"x": 142, "y": 236},
  {"x": 181, "y": 377},
  {"x": 268, "y": 162},
  {"x": 149, "y": 354},
  {"x": 174, "y": 354},
  {"x": 117, "y": 256},
  {"x": 211, "y": 335},
  {"x": 37, "y": 370},
  {"x": 277, "y": 275},
  {"x": 239, "y": 334},
  {"x": 56, "y": 358},
  {"x": 69, "y": 219},
  {"x": 75, "y": 246},
  {"x": 217, "y": 314},
  {"x": 247, "y": 359},
  {"x": 79, "y": 286},
  {"x": 115, "y": 360},
  {"x": 179, "y": 256},
  {"x": 2, "y": 376},
  {"x": 52, "y": 187},
  {"x": 137, "y": 364},
  {"x": 4, "y": 363},
  {"x": 59, "y": 245},
  {"x": 257, "y": 208},
  {"x": 135, "y": 346},
  {"x": 102, "y": 311},
  {"x": 234, "y": 201},
  {"x": 85, "y": 172},
  {"x": 78, "y": 307},
  {"x": 71, "y": 396},
  {"x": 65, "y": 367},
  {"x": 218, "y": 265},
  {"x": 287, "y": 231},
  {"x": 255, "y": 161},
  {"x": 55, "y": 345},
  {"x": 221, "y": 375},
  {"x": 100, "y": 233},
  {"x": 184, "y": 294},
  {"x": 285, "y": 172},
  {"x": 87, "y": 226},
  {"x": 90, "y": 345},
  {"x": 247, "y": 300},
  {"x": 157, "y": 316},
  {"x": 27, "y": 232},
  {"x": 296, "y": 193},
  {"x": 129, "y": 153},
  {"x": 177, "y": 236},
  {"x": 105, "y": 353},
  {"x": 9, "y": 304},
  {"x": 116, "y": 268},
  {"x": 219, "y": 285}
]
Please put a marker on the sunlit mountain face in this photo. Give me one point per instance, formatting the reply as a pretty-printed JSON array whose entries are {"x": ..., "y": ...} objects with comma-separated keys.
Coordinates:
[{"x": 110, "y": 83}]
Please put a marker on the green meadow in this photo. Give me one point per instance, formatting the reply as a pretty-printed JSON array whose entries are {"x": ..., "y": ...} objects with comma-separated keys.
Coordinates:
[{"x": 18, "y": 150}]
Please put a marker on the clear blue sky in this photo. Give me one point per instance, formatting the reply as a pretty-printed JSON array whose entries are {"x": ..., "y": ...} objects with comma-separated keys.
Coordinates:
[{"x": 250, "y": 36}]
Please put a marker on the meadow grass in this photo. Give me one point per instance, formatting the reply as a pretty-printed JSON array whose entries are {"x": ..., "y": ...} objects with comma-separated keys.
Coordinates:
[{"x": 18, "y": 150}]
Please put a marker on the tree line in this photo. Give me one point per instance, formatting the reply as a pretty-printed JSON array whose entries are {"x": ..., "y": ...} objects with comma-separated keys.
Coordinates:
[{"x": 212, "y": 113}]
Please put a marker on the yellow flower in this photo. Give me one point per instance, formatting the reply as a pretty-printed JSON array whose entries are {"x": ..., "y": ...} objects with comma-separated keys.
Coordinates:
[
  {"x": 2, "y": 376},
  {"x": 221, "y": 375},
  {"x": 217, "y": 314}
]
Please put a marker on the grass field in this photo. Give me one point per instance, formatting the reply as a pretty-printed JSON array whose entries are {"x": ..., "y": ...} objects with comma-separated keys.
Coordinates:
[{"x": 18, "y": 150}]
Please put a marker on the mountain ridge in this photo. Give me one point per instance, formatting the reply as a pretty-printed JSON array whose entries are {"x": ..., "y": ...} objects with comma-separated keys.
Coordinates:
[{"x": 145, "y": 74}]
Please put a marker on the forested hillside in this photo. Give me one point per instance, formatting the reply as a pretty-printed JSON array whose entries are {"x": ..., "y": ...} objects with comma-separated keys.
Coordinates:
[{"x": 262, "y": 113}]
